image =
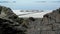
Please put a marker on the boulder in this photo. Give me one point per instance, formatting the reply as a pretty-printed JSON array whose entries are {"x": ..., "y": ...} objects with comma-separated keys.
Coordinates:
[{"x": 10, "y": 22}]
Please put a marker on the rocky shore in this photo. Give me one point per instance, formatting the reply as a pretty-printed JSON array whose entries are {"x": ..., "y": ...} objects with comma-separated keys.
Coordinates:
[{"x": 10, "y": 23}]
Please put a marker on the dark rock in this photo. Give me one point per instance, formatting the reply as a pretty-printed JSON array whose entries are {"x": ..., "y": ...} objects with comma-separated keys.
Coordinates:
[
  {"x": 9, "y": 22},
  {"x": 32, "y": 19}
]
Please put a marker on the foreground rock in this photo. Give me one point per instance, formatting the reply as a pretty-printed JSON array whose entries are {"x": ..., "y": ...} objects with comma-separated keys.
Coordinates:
[
  {"x": 49, "y": 24},
  {"x": 53, "y": 21},
  {"x": 10, "y": 22}
]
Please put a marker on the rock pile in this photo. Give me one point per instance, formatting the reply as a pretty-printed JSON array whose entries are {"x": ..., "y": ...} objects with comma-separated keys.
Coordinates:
[
  {"x": 50, "y": 23},
  {"x": 10, "y": 22}
]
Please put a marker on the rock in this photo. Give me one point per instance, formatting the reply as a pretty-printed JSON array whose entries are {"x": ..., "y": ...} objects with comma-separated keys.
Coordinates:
[
  {"x": 9, "y": 22},
  {"x": 56, "y": 26},
  {"x": 50, "y": 18},
  {"x": 50, "y": 23},
  {"x": 48, "y": 32},
  {"x": 57, "y": 32},
  {"x": 45, "y": 28}
]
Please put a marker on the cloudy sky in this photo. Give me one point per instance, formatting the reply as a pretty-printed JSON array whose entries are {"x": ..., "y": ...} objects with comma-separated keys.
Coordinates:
[{"x": 31, "y": 4}]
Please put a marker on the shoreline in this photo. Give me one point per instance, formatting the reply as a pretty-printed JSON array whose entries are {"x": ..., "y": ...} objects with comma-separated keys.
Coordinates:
[{"x": 31, "y": 14}]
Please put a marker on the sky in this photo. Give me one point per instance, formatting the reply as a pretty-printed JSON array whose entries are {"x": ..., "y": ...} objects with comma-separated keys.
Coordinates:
[{"x": 31, "y": 4}]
